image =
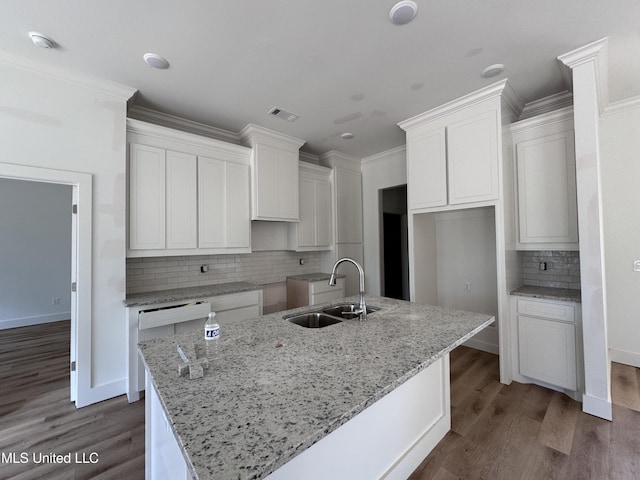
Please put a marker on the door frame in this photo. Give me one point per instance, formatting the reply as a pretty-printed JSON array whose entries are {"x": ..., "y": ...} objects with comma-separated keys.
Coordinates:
[{"x": 81, "y": 238}]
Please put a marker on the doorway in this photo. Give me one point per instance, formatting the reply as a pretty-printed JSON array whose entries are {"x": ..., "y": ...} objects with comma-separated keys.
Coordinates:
[
  {"x": 79, "y": 283},
  {"x": 394, "y": 243}
]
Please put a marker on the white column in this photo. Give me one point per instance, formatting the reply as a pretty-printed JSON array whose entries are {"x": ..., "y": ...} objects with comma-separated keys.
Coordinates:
[{"x": 588, "y": 66}]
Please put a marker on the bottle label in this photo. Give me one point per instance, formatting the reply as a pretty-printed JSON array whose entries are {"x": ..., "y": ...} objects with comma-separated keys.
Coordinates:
[{"x": 211, "y": 332}]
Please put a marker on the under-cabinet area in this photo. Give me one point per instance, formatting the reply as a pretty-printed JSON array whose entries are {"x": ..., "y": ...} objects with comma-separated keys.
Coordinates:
[{"x": 454, "y": 264}]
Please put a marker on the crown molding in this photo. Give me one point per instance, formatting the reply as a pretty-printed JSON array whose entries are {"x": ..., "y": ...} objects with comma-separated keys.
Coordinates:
[
  {"x": 401, "y": 149},
  {"x": 561, "y": 115},
  {"x": 596, "y": 53},
  {"x": 334, "y": 158},
  {"x": 486, "y": 93},
  {"x": 252, "y": 134},
  {"x": 547, "y": 104},
  {"x": 163, "y": 133},
  {"x": 79, "y": 79},
  {"x": 171, "y": 121},
  {"x": 309, "y": 158},
  {"x": 512, "y": 99}
]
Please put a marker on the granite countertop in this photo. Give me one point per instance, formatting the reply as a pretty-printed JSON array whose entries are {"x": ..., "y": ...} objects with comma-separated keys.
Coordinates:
[
  {"x": 274, "y": 388},
  {"x": 187, "y": 293},
  {"x": 314, "y": 277},
  {"x": 550, "y": 293}
]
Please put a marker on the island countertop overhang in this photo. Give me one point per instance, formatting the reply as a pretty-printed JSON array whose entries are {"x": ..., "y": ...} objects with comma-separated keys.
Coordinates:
[{"x": 275, "y": 388}]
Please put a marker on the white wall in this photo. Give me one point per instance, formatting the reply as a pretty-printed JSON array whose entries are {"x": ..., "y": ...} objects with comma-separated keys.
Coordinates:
[
  {"x": 47, "y": 120},
  {"x": 35, "y": 253},
  {"x": 620, "y": 170},
  {"x": 384, "y": 170}
]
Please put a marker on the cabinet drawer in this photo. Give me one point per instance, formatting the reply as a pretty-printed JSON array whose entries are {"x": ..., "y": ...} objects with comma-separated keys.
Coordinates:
[
  {"x": 323, "y": 286},
  {"x": 549, "y": 310},
  {"x": 235, "y": 300},
  {"x": 170, "y": 315}
]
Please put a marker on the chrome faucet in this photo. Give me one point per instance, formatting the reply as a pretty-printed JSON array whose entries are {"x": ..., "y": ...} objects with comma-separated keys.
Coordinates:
[{"x": 362, "y": 309}]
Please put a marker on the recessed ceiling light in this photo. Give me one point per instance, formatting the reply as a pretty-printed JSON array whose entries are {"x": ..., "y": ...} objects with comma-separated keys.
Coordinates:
[
  {"x": 41, "y": 40},
  {"x": 155, "y": 61},
  {"x": 347, "y": 135},
  {"x": 403, "y": 12},
  {"x": 493, "y": 70}
]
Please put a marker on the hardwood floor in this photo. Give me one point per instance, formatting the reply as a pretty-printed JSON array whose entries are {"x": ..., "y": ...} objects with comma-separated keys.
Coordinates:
[
  {"x": 529, "y": 432},
  {"x": 498, "y": 432},
  {"x": 37, "y": 418}
]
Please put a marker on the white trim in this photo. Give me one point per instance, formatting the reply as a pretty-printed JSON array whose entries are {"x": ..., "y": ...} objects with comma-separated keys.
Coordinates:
[
  {"x": 383, "y": 155},
  {"x": 598, "y": 407},
  {"x": 483, "y": 346},
  {"x": 561, "y": 115},
  {"x": 596, "y": 52},
  {"x": 486, "y": 93},
  {"x": 512, "y": 99},
  {"x": 622, "y": 106},
  {"x": 86, "y": 394},
  {"x": 178, "y": 123},
  {"x": 624, "y": 357},
  {"x": 252, "y": 134},
  {"x": 105, "y": 87},
  {"x": 139, "y": 127},
  {"x": 334, "y": 158},
  {"x": 37, "y": 320},
  {"x": 552, "y": 103},
  {"x": 309, "y": 158}
]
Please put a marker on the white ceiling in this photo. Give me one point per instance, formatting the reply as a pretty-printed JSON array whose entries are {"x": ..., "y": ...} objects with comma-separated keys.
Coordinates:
[{"x": 340, "y": 64}]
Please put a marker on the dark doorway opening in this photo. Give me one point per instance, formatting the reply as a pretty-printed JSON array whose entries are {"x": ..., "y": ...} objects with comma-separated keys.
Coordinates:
[{"x": 394, "y": 243}]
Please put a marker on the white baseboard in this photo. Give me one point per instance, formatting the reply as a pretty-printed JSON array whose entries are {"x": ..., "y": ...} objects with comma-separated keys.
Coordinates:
[
  {"x": 598, "y": 407},
  {"x": 37, "y": 320},
  {"x": 622, "y": 356}
]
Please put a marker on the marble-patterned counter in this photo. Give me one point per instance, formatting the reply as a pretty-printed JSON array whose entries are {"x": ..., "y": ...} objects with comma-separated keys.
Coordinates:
[
  {"x": 274, "y": 389},
  {"x": 550, "y": 293},
  {"x": 187, "y": 293},
  {"x": 314, "y": 277}
]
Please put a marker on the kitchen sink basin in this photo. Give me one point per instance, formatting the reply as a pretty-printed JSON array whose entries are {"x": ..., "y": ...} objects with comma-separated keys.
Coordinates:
[
  {"x": 313, "y": 320},
  {"x": 347, "y": 310}
]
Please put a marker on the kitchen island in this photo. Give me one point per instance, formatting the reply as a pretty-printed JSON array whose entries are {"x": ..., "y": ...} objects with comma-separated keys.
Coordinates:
[{"x": 279, "y": 400}]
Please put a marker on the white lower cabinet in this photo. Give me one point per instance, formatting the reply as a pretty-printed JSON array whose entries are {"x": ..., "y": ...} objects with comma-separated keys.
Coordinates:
[
  {"x": 301, "y": 293},
  {"x": 548, "y": 342},
  {"x": 163, "y": 457}
]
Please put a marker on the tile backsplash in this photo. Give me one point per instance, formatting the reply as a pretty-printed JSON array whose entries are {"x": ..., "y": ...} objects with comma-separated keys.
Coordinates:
[
  {"x": 563, "y": 269},
  {"x": 161, "y": 273}
]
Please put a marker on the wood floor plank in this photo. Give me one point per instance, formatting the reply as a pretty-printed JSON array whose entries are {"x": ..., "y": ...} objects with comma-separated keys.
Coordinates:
[
  {"x": 37, "y": 417},
  {"x": 472, "y": 403},
  {"x": 625, "y": 390},
  {"x": 558, "y": 427},
  {"x": 590, "y": 452},
  {"x": 624, "y": 450}
]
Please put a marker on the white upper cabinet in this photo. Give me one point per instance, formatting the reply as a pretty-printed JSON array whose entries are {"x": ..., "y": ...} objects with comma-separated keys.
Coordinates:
[
  {"x": 274, "y": 174},
  {"x": 182, "y": 218},
  {"x": 188, "y": 194},
  {"x": 314, "y": 230},
  {"x": 453, "y": 153},
  {"x": 546, "y": 182},
  {"x": 147, "y": 218}
]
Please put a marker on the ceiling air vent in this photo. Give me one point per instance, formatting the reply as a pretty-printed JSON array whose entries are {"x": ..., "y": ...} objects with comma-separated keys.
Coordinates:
[{"x": 283, "y": 114}]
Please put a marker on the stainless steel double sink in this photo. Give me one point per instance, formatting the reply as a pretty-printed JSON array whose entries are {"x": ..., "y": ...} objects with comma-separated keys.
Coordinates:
[{"x": 328, "y": 316}]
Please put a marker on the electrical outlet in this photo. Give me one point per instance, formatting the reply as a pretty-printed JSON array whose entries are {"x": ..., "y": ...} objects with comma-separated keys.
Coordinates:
[
  {"x": 636, "y": 266},
  {"x": 467, "y": 286},
  {"x": 55, "y": 301},
  {"x": 204, "y": 268},
  {"x": 543, "y": 266},
  {"x": 301, "y": 261}
]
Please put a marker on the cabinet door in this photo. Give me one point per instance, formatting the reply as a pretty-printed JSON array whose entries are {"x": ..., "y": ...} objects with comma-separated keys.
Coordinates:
[
  {"x": 146, "y": 197},
  {"x": 238, "y": 210},
  {"x": 182, "y": 212},
  {"x": 288, "y": 185},
  {"x": 472, "y": 152},
  {"x": 324, "y": 227},
  {"x": 349, "y": 206},
  {"x": 211, "y": 203},
  {"x": 546, "y": 174},
  {"x": 266, "y": 196},
  {"x": 547, "y": 351},
  {"x": 427, "y": 168},
  {"x": 307, "y": 224},
  {"x": 352, "y": 280}
]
